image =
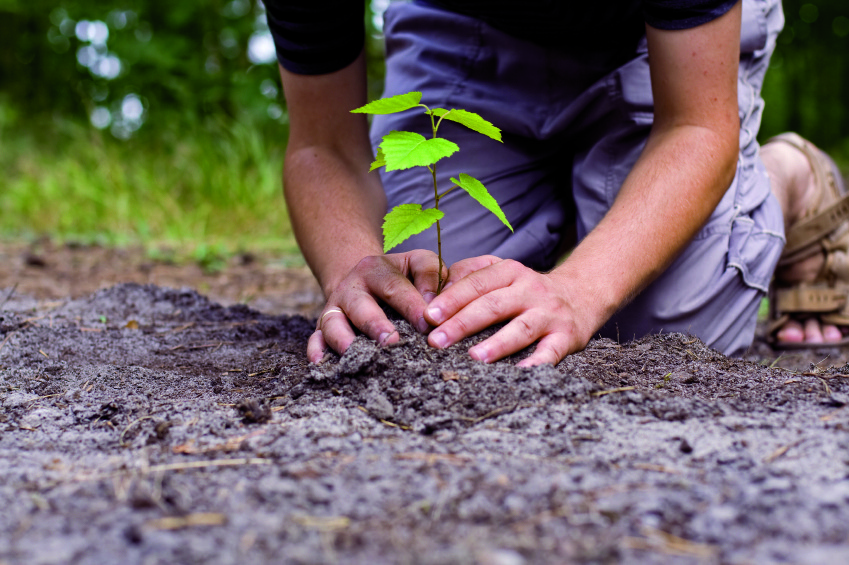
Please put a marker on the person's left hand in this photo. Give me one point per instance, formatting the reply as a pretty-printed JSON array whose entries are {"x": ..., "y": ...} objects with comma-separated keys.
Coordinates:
[{"x": 482, "y": 291}]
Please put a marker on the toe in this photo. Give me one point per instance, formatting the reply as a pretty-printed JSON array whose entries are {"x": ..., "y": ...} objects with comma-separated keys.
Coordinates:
[
  {"x": 791, "y": 332},
  {"x": 831, "y": 333},
  {"x": 813, "y": 331}
]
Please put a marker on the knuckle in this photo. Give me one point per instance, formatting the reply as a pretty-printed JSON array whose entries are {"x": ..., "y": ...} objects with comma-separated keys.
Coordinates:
[
  {"x": 490, "y": 304},
  {"x": 371, "y": 328},
  {"x": 422, "y": 255},
  {"x": 478, "y": 285},
  {"x": 406, "y": 263},
  {"x": 512, "y": 266},
  {"x": 393, "y": 287},
  {"x": 459, "y": 326},
  {"x": 526, "y": 328},
  {"x": 537, "y": 287},
  {"x": 559, "y": 349}
]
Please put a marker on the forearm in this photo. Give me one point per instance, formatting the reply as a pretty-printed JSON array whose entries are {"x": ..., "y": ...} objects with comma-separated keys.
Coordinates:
[
  {"x": 334, "y": 203},
  {"x": 336, "y": 207},
  {"x": 336, "y": 211},
  {"x": 669, "y": 195},
  {"x": 687, "y": 165}
]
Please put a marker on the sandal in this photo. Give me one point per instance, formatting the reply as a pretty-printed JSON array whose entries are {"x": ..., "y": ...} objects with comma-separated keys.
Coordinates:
[{"x": 824, "y": 230}]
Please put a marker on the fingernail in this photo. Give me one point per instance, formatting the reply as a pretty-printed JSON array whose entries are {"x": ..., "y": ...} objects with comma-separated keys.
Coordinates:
[
  {"x": 428, "y": 296},
  {"x": 422, "y": 325},
  {"x": 381, "y": 339},
  {"x": 439, "y": 339},
  {"x": 436, "y": 314},
  {"x": 479, "y": 354}
]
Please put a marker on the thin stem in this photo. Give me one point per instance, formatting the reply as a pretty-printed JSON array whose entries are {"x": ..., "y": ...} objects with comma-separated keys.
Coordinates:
[
  {"x": 438, "y": 233},
  {"x": 435, "y": 126},
  {"x": 429, "y": 113},
  {"x": 442, "y": 117},
  {"x": 444, "y": 194}
]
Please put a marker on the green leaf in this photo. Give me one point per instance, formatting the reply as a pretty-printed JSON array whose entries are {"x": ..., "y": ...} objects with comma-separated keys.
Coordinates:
[
  {"x": 405, "y": 149},
  {"x": 478, "y": 191},
  {"x": 379, "y": 160},
  {"x": 470, "y": 120},
  {"x": 391, "y": 105},
  {"x": 406, "y": 220}
]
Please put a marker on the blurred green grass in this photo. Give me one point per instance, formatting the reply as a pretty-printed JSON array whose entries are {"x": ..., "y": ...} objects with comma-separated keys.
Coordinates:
[{"x": 213, "y": 185}]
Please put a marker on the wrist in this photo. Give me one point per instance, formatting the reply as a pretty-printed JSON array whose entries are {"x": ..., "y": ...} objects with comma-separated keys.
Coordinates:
[
  {"x": 338, "y": 268},
  {"x": 595, "y": 301}
]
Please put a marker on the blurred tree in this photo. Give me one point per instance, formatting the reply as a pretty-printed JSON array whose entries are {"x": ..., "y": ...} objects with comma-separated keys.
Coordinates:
[
  {"x": 121, "y": 63},
  {"x": 807, "y": 86},
  {"x": 117, "y": 62}
]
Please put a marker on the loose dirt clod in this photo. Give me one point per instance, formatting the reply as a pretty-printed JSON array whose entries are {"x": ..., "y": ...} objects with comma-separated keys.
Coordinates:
[
  {"x": 253, "y": 411},
  {"x": 203, "y": 436}
]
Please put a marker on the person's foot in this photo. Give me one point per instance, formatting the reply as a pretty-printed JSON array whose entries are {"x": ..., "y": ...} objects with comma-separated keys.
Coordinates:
[{"x": 795, "y": 185}]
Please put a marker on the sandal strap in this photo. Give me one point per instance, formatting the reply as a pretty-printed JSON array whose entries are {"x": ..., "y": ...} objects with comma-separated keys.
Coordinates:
[
  {"x": 810, "y": 299},
  {"x": 809, "y": 231}
]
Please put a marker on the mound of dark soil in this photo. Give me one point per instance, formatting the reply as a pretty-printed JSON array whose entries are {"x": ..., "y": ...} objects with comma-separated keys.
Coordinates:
[{"x": 147, "y": 425}]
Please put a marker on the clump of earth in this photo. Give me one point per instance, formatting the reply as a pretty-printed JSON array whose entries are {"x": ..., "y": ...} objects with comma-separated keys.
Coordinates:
[{"x": 142, "y": 424}]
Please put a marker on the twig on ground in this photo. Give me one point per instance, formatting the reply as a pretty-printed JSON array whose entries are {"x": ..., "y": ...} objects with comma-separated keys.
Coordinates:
[
  {"x": 488, "y": 415},
  {"x": 432, "y": 458},
  {"x": 187, "y": 466},
  {"x": 777, "y": 359},
  {"x": 654, "y": 467},
  {"x": 180, "y": 522},
  {"x": 825, "y": 384},
  {"x": 323, "y": 524},
  {"x": 831, "y": 415},
  {"x": 781, "y": 451},
  {"x": 46, "y": 396},
  {"x": 670, "y": 543},
  {"x": 194, "y": 346},
  {"x": 231, "y": 444},
  {"x": 612, "y": 390},
  {"x": 180, "y": 328},
  {"x": 130, "y": 425},
  {"x": 8, "y": 335},
  {"x": 9, "y": 296}
]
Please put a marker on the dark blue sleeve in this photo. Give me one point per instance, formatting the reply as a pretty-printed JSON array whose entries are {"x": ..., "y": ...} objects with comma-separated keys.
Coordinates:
[
  {"x": 315, "y": 37},
  {"x": 683, "y": 14}
]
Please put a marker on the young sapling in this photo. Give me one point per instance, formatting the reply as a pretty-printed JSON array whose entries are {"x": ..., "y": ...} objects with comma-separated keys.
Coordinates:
[{"x": 405, "y": 149}]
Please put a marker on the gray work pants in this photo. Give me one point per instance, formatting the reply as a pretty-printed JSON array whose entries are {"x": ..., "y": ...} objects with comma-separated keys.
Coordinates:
[{"x": 573, "y": 127}]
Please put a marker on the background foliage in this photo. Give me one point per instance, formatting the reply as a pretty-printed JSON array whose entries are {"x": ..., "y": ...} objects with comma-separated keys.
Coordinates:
[
  {"x": 152, "y": 121},
  {"x": 807, "y": 86}
]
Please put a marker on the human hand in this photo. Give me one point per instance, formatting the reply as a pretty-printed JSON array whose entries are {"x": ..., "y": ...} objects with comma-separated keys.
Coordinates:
[
  {"x": 404, "y": 281},
  {"x": 485, "y": 290}
]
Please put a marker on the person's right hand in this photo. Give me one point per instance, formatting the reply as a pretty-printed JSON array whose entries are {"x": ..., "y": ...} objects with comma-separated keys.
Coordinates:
[{"x": 405, "y": 281}]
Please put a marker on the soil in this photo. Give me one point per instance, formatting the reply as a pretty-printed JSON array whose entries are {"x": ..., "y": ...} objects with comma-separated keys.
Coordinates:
[{"x": 147, "y": 424}]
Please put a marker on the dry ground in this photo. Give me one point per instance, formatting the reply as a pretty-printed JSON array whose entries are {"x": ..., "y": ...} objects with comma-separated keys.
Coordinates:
[{"x": 142, "y": 424}]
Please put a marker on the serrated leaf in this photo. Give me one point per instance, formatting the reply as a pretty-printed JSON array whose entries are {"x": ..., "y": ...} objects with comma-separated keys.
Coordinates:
[
  {"x": 478, "y": 191},
  {"x": 470, "y": 120},
  {"x": 391, "y": 105},
  {"x": 405, "y": 149},
  {"x": 379, "y": 160},
  {"x": 406, "y": 220}
]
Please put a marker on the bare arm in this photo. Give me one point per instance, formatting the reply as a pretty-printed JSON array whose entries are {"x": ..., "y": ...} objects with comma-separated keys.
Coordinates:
[
  {"x": 687, "y": 165},
  {"x": 337, "y": 207}
]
